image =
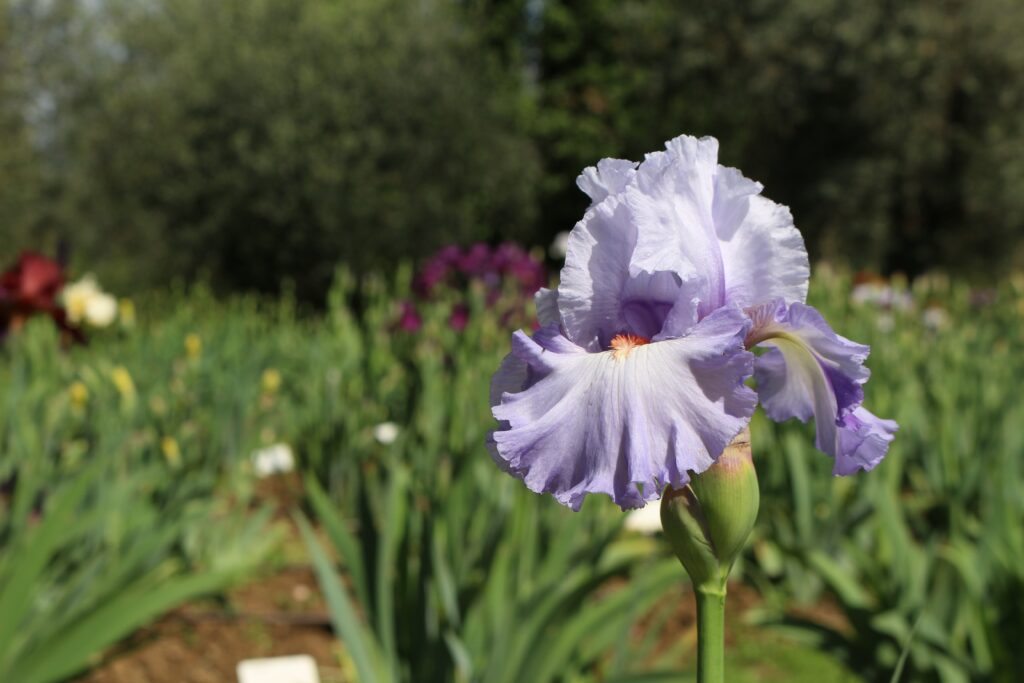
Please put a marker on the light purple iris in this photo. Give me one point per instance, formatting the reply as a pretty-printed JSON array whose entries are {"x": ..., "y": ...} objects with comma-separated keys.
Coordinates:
[{"x": 636, "y": 378}]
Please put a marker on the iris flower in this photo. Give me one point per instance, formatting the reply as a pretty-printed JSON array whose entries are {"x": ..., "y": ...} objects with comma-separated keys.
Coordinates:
[
  {"x": 85, "y": 302},
  {"x": 32, "y": 286},
  {"x": 637, "y": 376}
]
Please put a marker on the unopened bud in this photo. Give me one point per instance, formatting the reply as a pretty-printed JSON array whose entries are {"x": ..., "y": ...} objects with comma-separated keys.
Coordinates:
[{"x": 707, "y": 522}]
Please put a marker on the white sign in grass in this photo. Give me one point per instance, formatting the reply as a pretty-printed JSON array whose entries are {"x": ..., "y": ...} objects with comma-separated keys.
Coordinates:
[{"x": 295, "y": 669}]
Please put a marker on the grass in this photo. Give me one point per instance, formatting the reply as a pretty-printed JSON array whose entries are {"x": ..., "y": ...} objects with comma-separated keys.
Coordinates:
[
  {"x": 763, "y": 656},
  {"x": 934, "y": 533}
]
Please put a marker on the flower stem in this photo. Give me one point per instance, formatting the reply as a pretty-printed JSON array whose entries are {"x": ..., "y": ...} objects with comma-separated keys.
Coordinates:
[{"x": 710, "y": 634}]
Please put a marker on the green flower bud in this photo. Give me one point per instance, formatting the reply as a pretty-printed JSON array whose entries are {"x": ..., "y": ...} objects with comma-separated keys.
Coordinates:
[{"x": 708, "y": 521}]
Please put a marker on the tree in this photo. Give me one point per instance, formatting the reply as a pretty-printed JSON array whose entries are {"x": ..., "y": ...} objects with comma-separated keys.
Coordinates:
[
  {"x": 891, "y": 128},
  {"x": 255, "y": 140}
]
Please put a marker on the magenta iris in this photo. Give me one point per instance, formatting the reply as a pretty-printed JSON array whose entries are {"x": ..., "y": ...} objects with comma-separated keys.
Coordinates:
[
  {"x": 455, "y": 268},
  {"x": 636, "y": 378}
]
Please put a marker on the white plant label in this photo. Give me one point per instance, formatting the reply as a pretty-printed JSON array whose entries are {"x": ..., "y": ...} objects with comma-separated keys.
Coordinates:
[{"x": 296, "y": 669}]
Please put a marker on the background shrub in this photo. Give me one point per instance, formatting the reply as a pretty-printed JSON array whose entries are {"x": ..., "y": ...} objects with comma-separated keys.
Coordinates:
[{"x": 262, "y": 141}]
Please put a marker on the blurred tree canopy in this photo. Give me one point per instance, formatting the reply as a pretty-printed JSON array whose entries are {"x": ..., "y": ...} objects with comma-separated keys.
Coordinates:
[
  {"x": 892, "y": 128},
  {"x": 259, "y": 139}
]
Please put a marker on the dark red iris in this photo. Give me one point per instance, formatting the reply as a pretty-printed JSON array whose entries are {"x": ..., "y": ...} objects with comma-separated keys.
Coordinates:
[{"x": 30, "y": 287}]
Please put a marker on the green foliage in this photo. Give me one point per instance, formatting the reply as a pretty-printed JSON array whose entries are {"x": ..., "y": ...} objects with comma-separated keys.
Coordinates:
[
  {"x": 433, "y": 560},
  {"x": 933, "y": 537},
  {"x": 891, "y": 129},
  {"x": 23, "y": 182},
  {"x": 759, "y": 655},
  {"x": 472, "y": 580},
  {"x": 100, "y": 533},
  {"x": 259, "y": 140},
  {"x": 262, "y": 140}
]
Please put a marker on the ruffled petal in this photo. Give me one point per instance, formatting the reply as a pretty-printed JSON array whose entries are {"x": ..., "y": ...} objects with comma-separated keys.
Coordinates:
[
  {"x": 812, "y": 371},
  {"x": 609, "y": 177},
  {"x": 595, "y": 272},
  {"x": 863, "y": 441},
  {"x": 511, "y": 377},
  {"x": 671, "y": 203},
  {"x": 622, "y": 424},
  {"x": 599, "y": 296},
  {"x": 763, "y": 254},
  {"x": 744, "y": 247},
  {"x": 664, "y": 244}
]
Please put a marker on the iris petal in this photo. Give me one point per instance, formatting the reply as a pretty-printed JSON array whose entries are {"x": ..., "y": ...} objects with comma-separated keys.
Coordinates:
[
  {"x": 646, "y": 301},
  {"x": 763, "y": 254},
  {"x": 546, "y": 301},
  {"x": 667, "y": 242},
  {"x": 595, "y": 272},
  {"x": 744, "y": 247},
  {"x": 599, "y": 296},
  {"x": 609, "y": 177},
  {"x": 863, "y": 441},
  {"x": 671, "y": 203},
  {"x": 812, "y": 371},
  {"x": 593, "y": 423},
  {"x": 665, "y": 258}
]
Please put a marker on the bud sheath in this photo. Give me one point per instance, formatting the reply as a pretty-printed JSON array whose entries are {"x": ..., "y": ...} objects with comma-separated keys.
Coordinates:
[{"x": 708, "y": 521}]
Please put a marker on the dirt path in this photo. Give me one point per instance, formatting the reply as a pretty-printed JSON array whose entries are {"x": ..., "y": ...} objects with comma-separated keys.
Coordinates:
[{"x": 277, "y": 615}]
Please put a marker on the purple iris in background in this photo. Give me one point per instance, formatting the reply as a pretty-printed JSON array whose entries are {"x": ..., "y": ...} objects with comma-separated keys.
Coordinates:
[
  {"x": 636, "y": 377},
  {"x": 454, "y": 268}
]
